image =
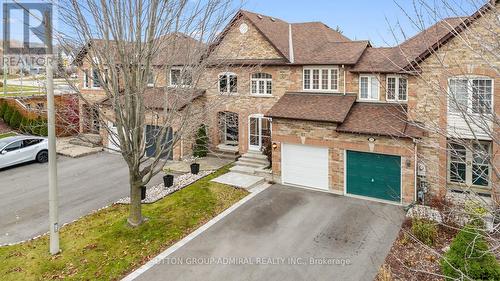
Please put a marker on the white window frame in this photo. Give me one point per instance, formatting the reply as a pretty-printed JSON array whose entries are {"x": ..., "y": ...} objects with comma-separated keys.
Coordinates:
[
  {"x": 263, "y": 80},
  {"x": 86, "y": 80},
  {"x": 469, "y": 162},
  {"x": 320, "y": 78},
  {"x": 470, "y": 80},
  {"x": 181, "y": 82},
  {"x": 228, "y": 74},
  {"x": 370, "y": 77},
  {"x": 396, "y": 93},
  {"x": 147, "y": 78},
  {"x": 92, "y": 80}
]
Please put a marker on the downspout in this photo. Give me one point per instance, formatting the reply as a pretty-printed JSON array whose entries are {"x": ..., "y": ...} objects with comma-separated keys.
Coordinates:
[
  {"x": 415, "y": 170},
  {"x": 290, "y": 44},
  {"x": 343, "y": 70}
]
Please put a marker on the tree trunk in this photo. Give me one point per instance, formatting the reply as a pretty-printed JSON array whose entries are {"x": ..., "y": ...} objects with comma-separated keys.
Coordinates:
[{"x": 135, "y": 214}]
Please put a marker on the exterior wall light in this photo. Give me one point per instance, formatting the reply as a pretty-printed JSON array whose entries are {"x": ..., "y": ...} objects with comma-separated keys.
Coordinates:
[
  {"x": 371, "y": 143},
  {"x": 275, "y": 146}
]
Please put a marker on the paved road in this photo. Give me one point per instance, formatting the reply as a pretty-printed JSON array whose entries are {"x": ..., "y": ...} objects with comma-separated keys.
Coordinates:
[
  {"x": 85, "y": 184},
  {"x": 294, "y": 224}
]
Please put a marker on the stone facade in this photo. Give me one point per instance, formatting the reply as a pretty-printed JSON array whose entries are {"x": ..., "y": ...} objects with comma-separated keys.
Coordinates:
[
  {"x": 249, "y": 45},
  {"x": 427, "y": 98},
  {"x": 426, "y": 103}
]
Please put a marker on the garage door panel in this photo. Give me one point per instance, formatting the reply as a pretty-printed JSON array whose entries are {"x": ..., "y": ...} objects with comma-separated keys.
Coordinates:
[
  {"x": 374, "y": 175},
  {"x": 305, "y": 165}
]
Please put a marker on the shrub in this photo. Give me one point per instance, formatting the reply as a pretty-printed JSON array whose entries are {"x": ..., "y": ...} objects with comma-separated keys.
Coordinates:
[
  {"x": 3, "y": 107},
  {"x": 267, "y": 149},
  {"x": 470, "y": 256},
  {"x": 201, "y": 142},
  {"x": 43, "y": 129},
  {"x": 24, "y": 127},
  {"x": 7, "y": 114},
  {"x": 424, "y": 230},
  {"x": 15, "y": 120}
]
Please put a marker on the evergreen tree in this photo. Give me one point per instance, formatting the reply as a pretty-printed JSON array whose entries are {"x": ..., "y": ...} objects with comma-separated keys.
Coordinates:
[{"x": 201, "y": 143}]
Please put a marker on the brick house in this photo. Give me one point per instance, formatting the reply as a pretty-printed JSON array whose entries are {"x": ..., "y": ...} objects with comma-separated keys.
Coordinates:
[{"x": 345, "y": 117}]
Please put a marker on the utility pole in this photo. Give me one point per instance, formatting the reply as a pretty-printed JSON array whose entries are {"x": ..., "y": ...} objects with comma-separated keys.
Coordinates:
[{"x": 53, "y": 191}]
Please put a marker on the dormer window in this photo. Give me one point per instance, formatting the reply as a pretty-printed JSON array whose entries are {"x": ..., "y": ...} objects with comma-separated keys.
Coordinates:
[
  {"x": 368, "y": 87},
  {"x": 397, "y": 89},
  {"x": 261, "y": 84},
  {"x": 228, "y": 83},
  {"x": 321, "y": 79}
]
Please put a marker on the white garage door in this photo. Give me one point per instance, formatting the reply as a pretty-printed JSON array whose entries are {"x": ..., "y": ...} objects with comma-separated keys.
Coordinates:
[{"x": 305, "y": 165}]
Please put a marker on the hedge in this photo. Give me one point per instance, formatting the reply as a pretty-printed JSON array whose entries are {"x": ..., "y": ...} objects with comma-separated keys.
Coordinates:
[
  {"x": 469, "y": 256},
  {"x": 14, "y": 119}
]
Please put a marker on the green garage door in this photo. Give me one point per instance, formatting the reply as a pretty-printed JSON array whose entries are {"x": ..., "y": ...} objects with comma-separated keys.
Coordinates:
[{"x": 374, "y": 175}]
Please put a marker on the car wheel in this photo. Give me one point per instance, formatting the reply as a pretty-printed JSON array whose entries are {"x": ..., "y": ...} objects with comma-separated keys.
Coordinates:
[{"x": 42, "y": 156}]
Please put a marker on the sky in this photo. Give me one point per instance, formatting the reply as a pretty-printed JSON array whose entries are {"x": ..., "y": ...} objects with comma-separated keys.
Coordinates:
[{"x": 358, "y": 19}]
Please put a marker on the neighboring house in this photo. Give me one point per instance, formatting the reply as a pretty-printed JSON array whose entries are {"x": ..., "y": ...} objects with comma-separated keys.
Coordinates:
[
  {"x": 343, "y": 116},
  {"x": 159, "y": 82}
]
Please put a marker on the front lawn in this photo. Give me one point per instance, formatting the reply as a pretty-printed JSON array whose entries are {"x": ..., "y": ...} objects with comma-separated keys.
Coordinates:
[
  {"x": 4, "y": 135},
  {"x": 18, "y": 88},
  {"x": 101, "y": 246}
]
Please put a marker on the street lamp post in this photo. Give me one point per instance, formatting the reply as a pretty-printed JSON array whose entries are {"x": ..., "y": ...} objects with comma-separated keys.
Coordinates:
[{"x": 53, "y": 190}]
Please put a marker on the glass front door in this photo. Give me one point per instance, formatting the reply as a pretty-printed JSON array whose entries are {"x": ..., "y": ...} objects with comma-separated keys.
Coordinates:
[{"x": 259, "y": 131}]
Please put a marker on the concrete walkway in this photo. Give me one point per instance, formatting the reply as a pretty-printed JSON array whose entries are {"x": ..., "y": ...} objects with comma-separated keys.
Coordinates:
[
  {"x": 206, "y": 164},
  {"x": 63, "y": 147},
  {"x": 287, "y": 233},
  {"x": 239, "y": 180}
]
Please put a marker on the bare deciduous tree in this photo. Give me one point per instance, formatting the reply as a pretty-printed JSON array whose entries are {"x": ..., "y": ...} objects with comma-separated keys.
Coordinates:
[
  {"x": 128, "y": 49},
  {"x": 455, "y": 103}
]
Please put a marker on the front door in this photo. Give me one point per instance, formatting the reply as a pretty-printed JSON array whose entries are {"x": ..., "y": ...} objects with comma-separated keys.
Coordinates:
[{"x": 259, "y": 131}]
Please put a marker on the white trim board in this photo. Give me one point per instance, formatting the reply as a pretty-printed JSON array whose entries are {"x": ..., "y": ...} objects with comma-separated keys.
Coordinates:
[{"x": 156, "y": 260}]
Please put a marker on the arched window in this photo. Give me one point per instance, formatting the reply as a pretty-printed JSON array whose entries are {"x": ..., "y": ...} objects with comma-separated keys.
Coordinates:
[
  {"x": 228, "y": 83},
  {"x": 261, "y": 84}
]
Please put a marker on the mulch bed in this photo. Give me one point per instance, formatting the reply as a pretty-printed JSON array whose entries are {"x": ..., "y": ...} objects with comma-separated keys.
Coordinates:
[{"x": 408, "y": 259}]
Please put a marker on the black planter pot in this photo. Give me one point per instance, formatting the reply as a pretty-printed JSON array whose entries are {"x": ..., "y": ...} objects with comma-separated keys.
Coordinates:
[
  {"x": 195, "y": 168},
  {"x": 168, "y": 180},
  {"x": 143, "y": 192}
]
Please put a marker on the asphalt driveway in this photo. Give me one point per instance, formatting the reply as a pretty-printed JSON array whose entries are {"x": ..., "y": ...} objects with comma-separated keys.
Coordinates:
[
  {"x": 287, "y": 233},
  {"x": 85, "y": 184}
]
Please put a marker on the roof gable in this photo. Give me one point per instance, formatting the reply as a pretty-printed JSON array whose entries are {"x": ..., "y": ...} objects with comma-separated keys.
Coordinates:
[{"x": 406, "y": 56}]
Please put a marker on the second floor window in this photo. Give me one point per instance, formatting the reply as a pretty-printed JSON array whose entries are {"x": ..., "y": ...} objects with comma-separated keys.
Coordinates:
[
  {"x": 180, "y": 77},
  {"x": 228, "y": 83},
  {"x": 261, "y": 84},
  {"x": 321, "y": 79},
  {"x": 368, "y": 87},
  {"x": 86, "y": 79},
  {"x": 472, "y": 95},
  {"x": 397, "y": 88}
]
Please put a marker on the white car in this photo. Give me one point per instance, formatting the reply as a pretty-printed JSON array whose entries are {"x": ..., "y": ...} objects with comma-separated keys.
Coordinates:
[{"x": 20, "y": 149}]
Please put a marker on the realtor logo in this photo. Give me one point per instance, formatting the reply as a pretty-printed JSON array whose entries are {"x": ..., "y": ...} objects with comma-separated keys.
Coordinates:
[{"x": 23, "y": 29}]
